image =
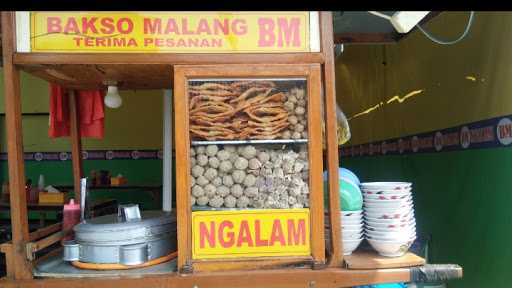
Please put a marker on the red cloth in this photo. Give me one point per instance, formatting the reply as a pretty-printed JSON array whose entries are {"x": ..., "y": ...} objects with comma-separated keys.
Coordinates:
[
  {"x": 59, "y": 112},
  {"x": 90, "y": 111},
  {"x": 92, "y": 115}
]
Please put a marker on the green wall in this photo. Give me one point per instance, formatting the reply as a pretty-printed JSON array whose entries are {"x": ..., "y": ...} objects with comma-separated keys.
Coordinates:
[
  {"x": 461, "y": 197},
  {"x": 462, "y": 200}
]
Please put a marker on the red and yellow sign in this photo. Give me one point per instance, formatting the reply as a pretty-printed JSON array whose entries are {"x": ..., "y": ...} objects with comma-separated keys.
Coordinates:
[
  {"x": 190, "y": 32},
  {"x": 250, "y": 233}
]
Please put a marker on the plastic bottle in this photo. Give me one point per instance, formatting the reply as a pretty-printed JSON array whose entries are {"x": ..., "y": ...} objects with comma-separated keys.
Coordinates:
[
  {"x": 29, "y": 191},
  {"x": 40, "y": 183},
  {"x": 70, "y": 217}
]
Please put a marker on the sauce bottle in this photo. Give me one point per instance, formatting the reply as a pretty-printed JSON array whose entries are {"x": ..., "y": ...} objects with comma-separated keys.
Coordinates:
[{"x": 70, "y": 217}]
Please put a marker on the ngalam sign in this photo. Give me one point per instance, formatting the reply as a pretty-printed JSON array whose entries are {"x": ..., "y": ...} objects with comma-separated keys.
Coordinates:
[{"x": 250, "y": 233}]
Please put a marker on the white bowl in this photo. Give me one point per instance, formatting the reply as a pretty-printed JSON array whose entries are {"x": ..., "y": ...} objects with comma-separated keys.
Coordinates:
[
  {"x": 387, "y": 210},
  {"x": 351, "y": 216},
  {"x": 350, "y": 245},
  {"x": 359, "y": 217},
  {"x": 390, "y": 228},
  {"x": 405, "y": 234},
  {"x": 347, "y": 215},
  {"x": 411, "y": 227},
  {"x": 390, "y": 214},
  {"x": 348, "y": 222},
  {"x": 388, "y": 205},
  {"x": 368, "y": 220},
  {"x": 405, "y": 239},
  {"x": 380, "y": 201},
  {"x": 350, "y": 219},
  {"x": 369, "y": 199},
  {"x": 391, "y": 248},
  {"x": 352, "y": 227},
  {"x": 372, "y": 191},
  {"x": 402, "y": 225},
  {"x": 402, "y": 220},
  {"x": 353, "y": 219},
  {"x": 352, "y": 234},
  {"x": 390, "y": 196},
  {"x": 386, "y": 185},
  {"x": 351, "y": 222},
  {"x": 351, "y": 213}
]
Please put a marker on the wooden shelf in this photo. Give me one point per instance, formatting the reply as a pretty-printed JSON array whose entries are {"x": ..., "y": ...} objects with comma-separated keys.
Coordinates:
[
  {"x": 243, "y": 142},
  {"x": 282, "y": 278},
  {"x": 372, "y": 260}
]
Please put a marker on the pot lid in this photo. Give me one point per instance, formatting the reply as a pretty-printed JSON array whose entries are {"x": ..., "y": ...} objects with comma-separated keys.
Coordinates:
[{"x": 110, "y": 229}]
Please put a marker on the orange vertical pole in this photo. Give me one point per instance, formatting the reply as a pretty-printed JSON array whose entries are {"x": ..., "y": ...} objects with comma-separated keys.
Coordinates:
[
  {"x": 18, "y": 199},
  {"x": 327, "y": 34},
  {"x": 76, "y": 143}
]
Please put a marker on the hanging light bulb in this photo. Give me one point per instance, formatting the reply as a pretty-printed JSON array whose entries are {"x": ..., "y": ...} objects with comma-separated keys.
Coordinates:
[{"x": 113, "y": 99}]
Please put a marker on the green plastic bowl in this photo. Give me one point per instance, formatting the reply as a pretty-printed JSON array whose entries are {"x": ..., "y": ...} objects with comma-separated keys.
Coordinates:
[{"x": 351, "y": 198}]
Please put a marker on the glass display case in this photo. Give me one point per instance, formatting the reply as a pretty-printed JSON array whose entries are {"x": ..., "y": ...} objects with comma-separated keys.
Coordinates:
[
  {"x": 253, "y": 141},
  {"x": 249, "y": 143}
]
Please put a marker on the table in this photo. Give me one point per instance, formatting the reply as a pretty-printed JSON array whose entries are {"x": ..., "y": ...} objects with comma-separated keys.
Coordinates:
[
  {"x": 98, "y": 207},
  {"x": 154, "y": 190}
]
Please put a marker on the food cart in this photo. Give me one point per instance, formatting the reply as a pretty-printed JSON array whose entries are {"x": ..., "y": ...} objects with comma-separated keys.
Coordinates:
[{"x": 265, "y": 57}]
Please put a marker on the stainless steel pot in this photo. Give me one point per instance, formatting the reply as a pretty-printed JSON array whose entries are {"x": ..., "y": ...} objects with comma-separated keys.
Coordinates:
[{"x": 131, "y": 237}]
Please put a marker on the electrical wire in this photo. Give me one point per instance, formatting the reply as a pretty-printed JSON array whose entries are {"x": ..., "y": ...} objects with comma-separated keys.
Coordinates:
[
  {"x": 381, "y": 15},
  {"x": 444, "y": 42}
]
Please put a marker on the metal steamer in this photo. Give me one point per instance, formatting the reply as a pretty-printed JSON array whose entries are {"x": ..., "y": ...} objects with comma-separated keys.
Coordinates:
[{"x": 132, "y": 237}]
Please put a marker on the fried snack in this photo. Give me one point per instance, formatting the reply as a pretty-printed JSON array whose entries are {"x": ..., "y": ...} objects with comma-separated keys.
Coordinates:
[
  {"x": 244, "y": 134},
  {"x": 212, "y": 109},
  {"x": 212, "y": 133},
  {"x": 278, "y": 97},
  {"x": 221, "y": 93},
  {"x": 210, "y": 86},
  {"x": 240, "y": 110},
  {"x": 207, "y": 122},
  {"x": 240, "y": 122},
  {"x": 253, "y": 83},
  {"x": 261, "y": 98},
  {"x": 248, "y": 92},
  {"x": 266, "y": 114},
  {"x": 265, "y": 136},
  {"x": 208, "y": 98},
  {"x": 267, "y": 130},
  {"x": 267, "y": 124}
]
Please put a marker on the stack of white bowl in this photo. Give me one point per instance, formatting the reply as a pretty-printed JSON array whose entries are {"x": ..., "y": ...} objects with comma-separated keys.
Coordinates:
[
  {"x": 390, "y": 226},
  {"x": 352, "y": 230}
]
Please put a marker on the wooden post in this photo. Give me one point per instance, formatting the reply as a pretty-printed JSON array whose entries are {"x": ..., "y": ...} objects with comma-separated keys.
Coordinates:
[
  {"x": 326, "y": 32},
  {"x": 6, "y": 248},
  {"x": 18, "y": 199},
  {"x": 182, "y": 144},
  {"x": 76, "y": 143}
]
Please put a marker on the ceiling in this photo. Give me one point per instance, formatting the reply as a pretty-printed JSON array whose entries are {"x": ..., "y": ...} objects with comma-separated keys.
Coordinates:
[
  {"x": 349, "y": 27},
  {"x": 359, "y": 27},
  {"x": 363, "y": 27}
]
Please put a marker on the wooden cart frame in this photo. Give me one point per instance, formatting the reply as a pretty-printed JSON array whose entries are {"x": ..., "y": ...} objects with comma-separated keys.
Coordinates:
[
  {"x": 19, "y": 267},
  {"x": 311, "y": 74}
]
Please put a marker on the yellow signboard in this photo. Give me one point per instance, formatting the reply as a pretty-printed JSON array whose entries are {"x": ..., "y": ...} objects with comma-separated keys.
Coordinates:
[
  {"x": 250, "y": 233},
  {"x": 170, "y": 32}
]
